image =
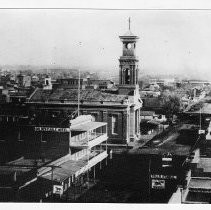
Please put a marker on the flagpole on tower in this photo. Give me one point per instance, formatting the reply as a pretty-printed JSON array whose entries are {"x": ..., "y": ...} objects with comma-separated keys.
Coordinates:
[{"x": 79, "y": 80}]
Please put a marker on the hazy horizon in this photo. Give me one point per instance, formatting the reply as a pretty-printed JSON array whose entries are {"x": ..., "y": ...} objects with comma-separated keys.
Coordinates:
[{"x": 171, "y": 42}]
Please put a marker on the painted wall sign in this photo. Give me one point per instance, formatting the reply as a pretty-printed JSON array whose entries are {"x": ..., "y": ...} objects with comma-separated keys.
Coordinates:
[{"x": 50, "y": 129}]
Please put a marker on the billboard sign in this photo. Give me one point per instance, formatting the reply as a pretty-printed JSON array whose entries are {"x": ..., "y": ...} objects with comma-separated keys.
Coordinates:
[
  {"x": 158, "y": 184},
  {"x": 58, "y": 189},
  {"x": 201, "y": 131}
]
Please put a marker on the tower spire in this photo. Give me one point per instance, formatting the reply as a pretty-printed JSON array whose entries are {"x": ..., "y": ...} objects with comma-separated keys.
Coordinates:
[{"x": 129, "y": 23}]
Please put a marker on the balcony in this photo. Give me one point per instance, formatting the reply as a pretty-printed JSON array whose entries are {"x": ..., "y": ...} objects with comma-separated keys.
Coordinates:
[{"x": 88, "y": 140}]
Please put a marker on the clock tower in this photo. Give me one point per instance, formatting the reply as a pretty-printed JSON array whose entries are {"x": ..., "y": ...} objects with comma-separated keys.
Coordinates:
[{"x": 128, "y": 64}]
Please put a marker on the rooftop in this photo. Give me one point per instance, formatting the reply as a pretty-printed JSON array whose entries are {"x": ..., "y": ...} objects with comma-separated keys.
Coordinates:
[
  {"x": 147, "y": 113},
  {"x": 205, "y": 163},
  {"x": 87, "y": 126},
  {"x": 72, "y": 95},
  {"x": 205, "y": 108},
  {"x": 68, "y": 168},
  {"x": 200, "y": 184},
  {"x": 197, "y": 198}
]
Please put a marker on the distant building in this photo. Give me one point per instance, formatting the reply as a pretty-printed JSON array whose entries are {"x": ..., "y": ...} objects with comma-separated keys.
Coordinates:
[
  {"x": 97, "y": 84},
  {"x": 47, "y": 84},
  {"x": 71, "y": 83},
  {"x": 24, "y": 80},
  {"x": 197, "y": 186},
  {"x": 164, "y": 81},
  {"x": 147, "y": 115}
]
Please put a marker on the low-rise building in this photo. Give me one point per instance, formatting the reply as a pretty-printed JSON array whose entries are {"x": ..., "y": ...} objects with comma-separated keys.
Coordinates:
[{"x": 28, "y": 179}]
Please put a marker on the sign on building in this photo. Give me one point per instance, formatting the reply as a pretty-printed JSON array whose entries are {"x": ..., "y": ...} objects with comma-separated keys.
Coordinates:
[
  {"x": 50, "y": 129},
  {"x": 167, "y": 160},
  {"x": 201, "y": 131},
  {"x": 158, "y": 184},
  {"x": 58, "y": 189}
]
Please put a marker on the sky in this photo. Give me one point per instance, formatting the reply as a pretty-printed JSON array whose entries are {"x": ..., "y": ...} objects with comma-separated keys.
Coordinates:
[{"x": 171, "y": 41}]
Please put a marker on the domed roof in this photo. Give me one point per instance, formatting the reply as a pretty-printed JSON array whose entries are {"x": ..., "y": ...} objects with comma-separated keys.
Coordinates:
[{"x": 129, "y": 33}]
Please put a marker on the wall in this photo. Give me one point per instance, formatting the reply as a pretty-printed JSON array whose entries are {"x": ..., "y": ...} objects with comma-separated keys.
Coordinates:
[{"x": 101, "y": 114}]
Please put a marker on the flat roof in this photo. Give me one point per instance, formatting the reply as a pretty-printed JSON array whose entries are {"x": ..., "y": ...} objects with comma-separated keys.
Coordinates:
[
  {"x": 205, "y": 163},
  {"x": 200, "y": 183},
  {"x": 20, "y": 166},
  {"x": 87, "y": 126},
  {"x": 67, "y": 169}
]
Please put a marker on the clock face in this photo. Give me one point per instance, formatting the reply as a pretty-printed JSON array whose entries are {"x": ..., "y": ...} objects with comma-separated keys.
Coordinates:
[{"x": 129, "y": 46}]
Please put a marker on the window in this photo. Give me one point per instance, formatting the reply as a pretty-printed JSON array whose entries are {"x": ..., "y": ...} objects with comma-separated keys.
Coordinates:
[
  {"x": 94, "y": 116},
  {"x": 19, "y": 136},
  {"x": 114, "y": 122},
  {"x": 127, "y": 76}
]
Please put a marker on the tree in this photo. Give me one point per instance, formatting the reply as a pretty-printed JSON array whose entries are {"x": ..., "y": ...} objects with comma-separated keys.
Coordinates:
[{"x": 172, "y": 105}]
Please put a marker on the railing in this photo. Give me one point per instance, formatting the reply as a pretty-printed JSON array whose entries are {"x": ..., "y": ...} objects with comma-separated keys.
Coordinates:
[
  {"x": 78, "y": 155},
  {"x": 81, "y": 140},
  {"x": 93, "y": 159},
  {"x": 97, "y": 158}
]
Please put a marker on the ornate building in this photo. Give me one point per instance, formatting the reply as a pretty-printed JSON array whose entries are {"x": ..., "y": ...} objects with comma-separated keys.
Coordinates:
[{"x": 54, "y": 108}]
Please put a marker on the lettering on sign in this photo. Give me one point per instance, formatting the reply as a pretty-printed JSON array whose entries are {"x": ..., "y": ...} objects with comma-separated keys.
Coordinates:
[
  {"x": 50, "y": 129},
  {"x": 160, "y": 176},
  {"x": 166, "y": 159}
]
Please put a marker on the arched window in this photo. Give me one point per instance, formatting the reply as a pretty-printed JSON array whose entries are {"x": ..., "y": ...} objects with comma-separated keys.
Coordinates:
[
  {"x": 127, "y": 76},
  {"x": 114, "y": 121}
]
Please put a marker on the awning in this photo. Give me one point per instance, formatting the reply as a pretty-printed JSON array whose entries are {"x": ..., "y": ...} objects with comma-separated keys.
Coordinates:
[
  {"x": 87, "y": 126},
  {"x": 67, "y": 169}
]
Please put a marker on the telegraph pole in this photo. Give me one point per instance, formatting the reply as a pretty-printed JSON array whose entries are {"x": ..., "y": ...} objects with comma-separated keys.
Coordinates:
[{"x": 149, "y": 178}]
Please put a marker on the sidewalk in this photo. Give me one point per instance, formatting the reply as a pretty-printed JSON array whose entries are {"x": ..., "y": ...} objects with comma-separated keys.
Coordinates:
[{"x": 144, "y": 139}]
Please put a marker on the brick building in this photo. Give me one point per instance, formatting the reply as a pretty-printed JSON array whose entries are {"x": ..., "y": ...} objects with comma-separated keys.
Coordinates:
[{"x": 120, "y": 108}]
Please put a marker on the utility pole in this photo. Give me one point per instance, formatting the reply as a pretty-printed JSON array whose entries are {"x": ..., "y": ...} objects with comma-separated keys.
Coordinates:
[
  {"x": 200, "y": 118},
  {"x": 149, "y": 179}
]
